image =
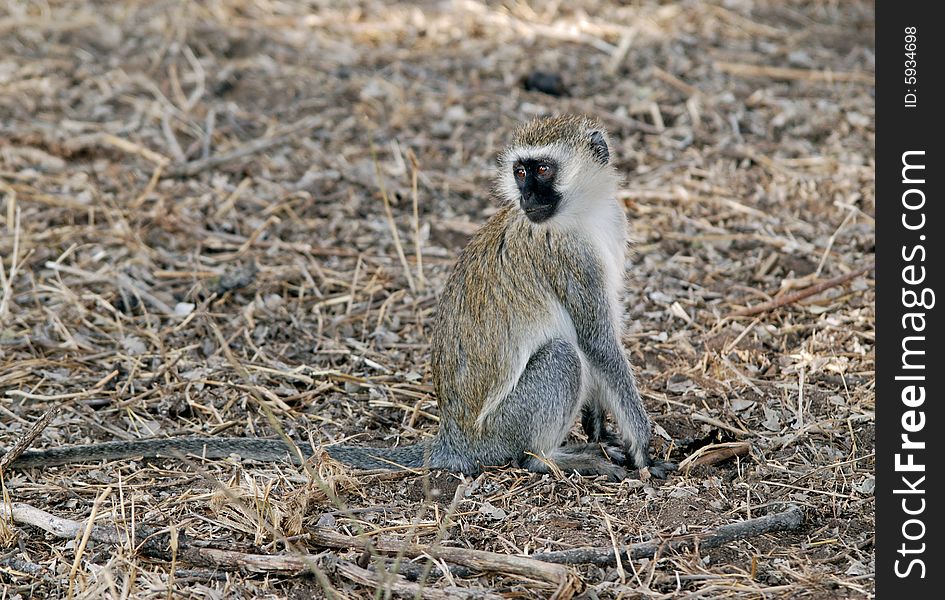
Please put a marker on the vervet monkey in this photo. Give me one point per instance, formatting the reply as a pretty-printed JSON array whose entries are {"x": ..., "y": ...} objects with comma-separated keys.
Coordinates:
[{"x": 527, "y": 331}]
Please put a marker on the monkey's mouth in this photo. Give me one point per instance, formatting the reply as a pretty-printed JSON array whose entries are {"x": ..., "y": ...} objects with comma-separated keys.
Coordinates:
[{"x": 537, "y": 214}]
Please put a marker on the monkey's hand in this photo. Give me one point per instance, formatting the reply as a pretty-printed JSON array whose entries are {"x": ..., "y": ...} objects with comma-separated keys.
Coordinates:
[{"x": 623, "y": 455}]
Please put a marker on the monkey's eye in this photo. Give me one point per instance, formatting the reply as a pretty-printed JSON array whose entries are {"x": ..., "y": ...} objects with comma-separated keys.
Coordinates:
[
  {"x": 519, "y": 172},
  {"x": 544, "y": 171}
]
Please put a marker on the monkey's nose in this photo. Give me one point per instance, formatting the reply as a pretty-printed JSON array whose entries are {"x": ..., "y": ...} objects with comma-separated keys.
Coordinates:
[{"x": 530, "y": 200}]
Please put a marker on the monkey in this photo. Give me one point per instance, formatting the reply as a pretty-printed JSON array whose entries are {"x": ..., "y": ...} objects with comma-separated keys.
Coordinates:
[
  {"x": 526, "y": 335},
  {"x": 527, "y": 330}
]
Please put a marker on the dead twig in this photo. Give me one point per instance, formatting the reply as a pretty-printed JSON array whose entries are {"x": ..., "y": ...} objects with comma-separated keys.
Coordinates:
[
  {"x": 481, "y": 560},
  {"x": 27, "y": 438},
  {"x": 713, "y": 454},
  {"x": 6, "y": 281},
  {"x": 790, "y": 519},
  {"x": 398, "y": 586},
  {"x": 748, "y": 70},
  {"x": 390, "y": 222},
  {"x": 414, "y": 179},
  {"x": 122, "y": 281},
  {"x": 108, "y": 139},
  {"x": 800, "y": 295},
  {"x": 154, "y": 543}
]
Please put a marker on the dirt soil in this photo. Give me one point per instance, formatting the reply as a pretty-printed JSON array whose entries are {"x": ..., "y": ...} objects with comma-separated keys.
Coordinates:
[{"x": 195, "y": 240}]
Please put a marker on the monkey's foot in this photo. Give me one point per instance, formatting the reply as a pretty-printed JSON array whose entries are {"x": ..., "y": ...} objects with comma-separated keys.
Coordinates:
[
  {"x": 657, "y": 469},
  {"x": 661, "y": 468},
  {"x": 614, "y": 451},
  {"x": 617, "y": 454},
  {"x": 613, "y": 473},
  {"x": 584, "y": 459}
]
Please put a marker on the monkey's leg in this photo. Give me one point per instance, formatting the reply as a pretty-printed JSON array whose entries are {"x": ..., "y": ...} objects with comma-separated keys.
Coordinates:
[
  {"x": 584, "y": 459},
  {"x": 537, "y": 415},
  {"x": 593, "y": 421},
  {"x": 618, "y": 450},
  {"x": 598, "y": 339}
]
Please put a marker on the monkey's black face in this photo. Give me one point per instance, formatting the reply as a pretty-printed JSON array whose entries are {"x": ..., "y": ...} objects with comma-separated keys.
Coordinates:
[{"x": 536, "y": 178}]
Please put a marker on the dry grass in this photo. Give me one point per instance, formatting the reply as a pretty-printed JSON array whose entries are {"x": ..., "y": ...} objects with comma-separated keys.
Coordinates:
[{"x": 214, "y": 212}]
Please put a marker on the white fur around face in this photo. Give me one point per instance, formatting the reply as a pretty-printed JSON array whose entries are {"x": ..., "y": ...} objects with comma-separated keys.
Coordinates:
[
  {"x": 589, "y": 206},
  {"x": 508, "y": 189},
  {"x": 600, "y": 220}
]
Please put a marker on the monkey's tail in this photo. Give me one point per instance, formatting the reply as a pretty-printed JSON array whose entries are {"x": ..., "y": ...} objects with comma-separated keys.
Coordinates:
[
  {"x": 266, "y": 450},
  {"x": 403, "y": 457}
]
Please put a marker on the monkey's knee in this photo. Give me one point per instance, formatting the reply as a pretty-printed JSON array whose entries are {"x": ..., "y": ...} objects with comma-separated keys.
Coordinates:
[
  {"x": 557, "y": 360},
  {"x": 537, "y": 414}
]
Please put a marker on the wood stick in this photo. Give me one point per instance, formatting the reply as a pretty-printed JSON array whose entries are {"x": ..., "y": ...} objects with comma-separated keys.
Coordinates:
[
  {"x": 481, "y": 560},
  {"x": 714, "y": 453},
  {"x": 156, "y": 544},
  {"x": 133, "y": 148},
  {"x": 26, "y": 440},
  {"x": 790, "y": 519},
  {"x": 801, "y": 294},
  {"x": 398, "y": 586},
  {"x": 413, "y": 571},
  {"x": 720, "y": 424},
  {"x": 749, "y": 70},
  {"x": 390, "y": 222}
]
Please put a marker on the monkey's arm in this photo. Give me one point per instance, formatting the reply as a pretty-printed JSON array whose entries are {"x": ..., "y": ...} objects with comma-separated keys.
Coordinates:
[
  {"x": 598, "y": 339},
  {"x": 265, "y": 450}
]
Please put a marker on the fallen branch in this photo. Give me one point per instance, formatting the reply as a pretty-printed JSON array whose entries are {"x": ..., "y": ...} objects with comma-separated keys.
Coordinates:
[
  {"x": 26, "y": 440},
  {"x": 398, "y": 586},
  {"x": 787, "y": 73},
  {"x": 790, "y": 519},
  {"x": 800, "y": 295},
  {"x": 156, "y": 544},
  {"x": 713, "y": 454},
  {"x": 414, "y": 571},
  {"x": 481, "y": 560}
]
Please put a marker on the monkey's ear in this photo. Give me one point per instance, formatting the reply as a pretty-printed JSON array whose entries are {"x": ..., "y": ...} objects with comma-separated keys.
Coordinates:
[{"x": 599, "y": 145}]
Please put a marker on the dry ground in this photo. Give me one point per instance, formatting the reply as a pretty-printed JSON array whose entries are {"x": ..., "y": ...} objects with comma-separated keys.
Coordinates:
[{"x": 194, "y": 240}]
